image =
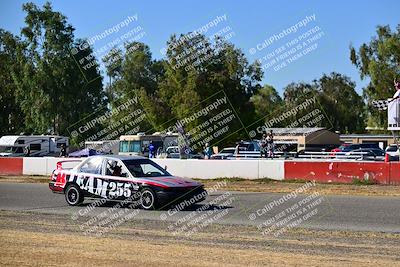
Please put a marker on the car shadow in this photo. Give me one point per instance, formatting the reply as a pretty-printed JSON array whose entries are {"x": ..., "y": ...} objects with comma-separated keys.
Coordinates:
[
  {"x": 194, "y": 207},
  {"x": 202, "y": 207}
]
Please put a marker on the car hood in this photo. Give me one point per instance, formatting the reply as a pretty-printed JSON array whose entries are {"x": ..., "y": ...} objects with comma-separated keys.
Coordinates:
[{"x": 170, "y": 181}]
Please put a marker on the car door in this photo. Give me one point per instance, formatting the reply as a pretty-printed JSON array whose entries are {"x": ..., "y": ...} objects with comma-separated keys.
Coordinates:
[
  {"x": 120, "y": 182},
  {"x": 89, "y": 176}
]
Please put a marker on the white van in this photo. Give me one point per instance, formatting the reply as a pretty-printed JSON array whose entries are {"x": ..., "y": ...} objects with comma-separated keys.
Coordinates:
[{"x": 39, "y": 145}]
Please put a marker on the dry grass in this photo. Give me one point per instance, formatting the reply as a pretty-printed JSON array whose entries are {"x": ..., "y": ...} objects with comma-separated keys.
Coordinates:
[
  {"x": 20, "y": 248},
  {"x": 29, "y": 239},
  {"x": 24, "y": 179}
]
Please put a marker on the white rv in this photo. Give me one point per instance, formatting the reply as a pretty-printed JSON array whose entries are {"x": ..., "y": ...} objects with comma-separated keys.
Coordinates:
[{"x": 39, "y": 145}]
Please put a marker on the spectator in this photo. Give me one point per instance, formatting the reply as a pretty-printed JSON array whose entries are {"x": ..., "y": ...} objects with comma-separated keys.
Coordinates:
[
  {"x": 151, "y": 150},
  {"x": 63, "y": 151},
  {"x": 264, "y": 145},
  {"x": 27, "y": 151},
  {"x": 397, "y": 87},
  {"x": 207, "y": 151},
  {"x": 237, "y": 148},
  {"x": 270, "y": 144}
]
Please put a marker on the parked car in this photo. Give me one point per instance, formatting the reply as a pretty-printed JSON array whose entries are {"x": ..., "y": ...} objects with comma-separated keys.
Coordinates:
[
  {"x": 393, "y": 151},
  {"x": 375, "y": 154},
  {"x": 129, "y": 178},
  {"x": 224, "y": 153},
  {"x": 247, "y": 149},
  {"x": 172, "y": 152},
  {"x": 358, "y": 146},
  {"x": 340, "y": 148}
]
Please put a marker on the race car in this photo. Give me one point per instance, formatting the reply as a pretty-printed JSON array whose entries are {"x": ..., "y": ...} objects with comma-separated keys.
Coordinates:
[{"x": 127, "y": 178}]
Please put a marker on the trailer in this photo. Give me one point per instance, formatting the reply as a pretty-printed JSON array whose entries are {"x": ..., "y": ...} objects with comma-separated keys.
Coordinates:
[{"x": 32, "y": 145}]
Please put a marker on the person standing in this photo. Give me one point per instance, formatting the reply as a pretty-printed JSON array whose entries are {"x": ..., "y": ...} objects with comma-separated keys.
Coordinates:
[
  {"x": 151, "y": 150},
  {"x": 63, "y": 151},
  {"x": 397, "y": 87},
  {"x": 27, "y": 151},
  {"x": 270, "y": 144},
  {"x": 207, "y": 151},
  {"x": 264, "y": 146}
]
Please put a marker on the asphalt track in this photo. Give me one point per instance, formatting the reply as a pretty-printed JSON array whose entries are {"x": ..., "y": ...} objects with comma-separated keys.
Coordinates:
[{"x": 353, "y": 213}]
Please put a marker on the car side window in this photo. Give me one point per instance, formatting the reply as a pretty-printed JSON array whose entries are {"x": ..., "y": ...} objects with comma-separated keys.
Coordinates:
[
  {"x": 136, "y": 170},
  {"x": 93, "y": 165},
  {"x": 115, "y": 168}
]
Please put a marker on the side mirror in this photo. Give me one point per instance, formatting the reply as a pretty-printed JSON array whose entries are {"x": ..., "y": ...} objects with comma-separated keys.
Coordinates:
[{"x": 165, "y": 167}]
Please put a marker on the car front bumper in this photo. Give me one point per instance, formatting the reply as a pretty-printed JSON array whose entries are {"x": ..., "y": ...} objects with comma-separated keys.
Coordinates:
[{"x": 189, "y": 195}]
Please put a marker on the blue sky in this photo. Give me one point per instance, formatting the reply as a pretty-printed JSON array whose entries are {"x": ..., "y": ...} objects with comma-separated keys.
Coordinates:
[{"x": 342, "y": 23}]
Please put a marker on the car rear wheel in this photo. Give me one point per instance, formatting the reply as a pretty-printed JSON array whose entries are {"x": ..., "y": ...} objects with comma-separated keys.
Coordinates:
[
  {"x": 148, "y": 199},
  {"x": 73, "y": 195}
]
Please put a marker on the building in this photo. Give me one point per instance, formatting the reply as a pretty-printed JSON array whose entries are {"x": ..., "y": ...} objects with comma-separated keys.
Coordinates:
[
  {"x": 139, "y": 144},
  {"x": 299, "y": 139},
  {"x": 383, "y": 140}
]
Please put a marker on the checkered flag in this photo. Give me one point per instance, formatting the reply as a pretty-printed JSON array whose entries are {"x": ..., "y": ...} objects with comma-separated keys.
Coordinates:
[{"x": 380, "y": 104}]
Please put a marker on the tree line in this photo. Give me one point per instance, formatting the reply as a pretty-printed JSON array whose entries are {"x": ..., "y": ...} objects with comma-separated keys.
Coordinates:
[{"x": 43, "y": 88}]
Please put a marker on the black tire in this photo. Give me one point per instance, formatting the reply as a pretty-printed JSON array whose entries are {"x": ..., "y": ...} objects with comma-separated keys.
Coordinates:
[
  {"x": 74, "y": 195},
  {"x": 148, "y": 199}
]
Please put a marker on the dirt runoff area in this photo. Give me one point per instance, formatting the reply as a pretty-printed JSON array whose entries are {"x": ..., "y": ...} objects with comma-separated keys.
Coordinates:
[
  {"x": 42, "y": 239},
  {"x": 262, "y": 185}
]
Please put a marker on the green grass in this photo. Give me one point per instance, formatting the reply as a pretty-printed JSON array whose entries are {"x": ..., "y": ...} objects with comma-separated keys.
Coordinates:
[
  {"x": 221, "y": 179},
  {"x": 363, "y": 182},
  {"x": 267, "y": 180}
]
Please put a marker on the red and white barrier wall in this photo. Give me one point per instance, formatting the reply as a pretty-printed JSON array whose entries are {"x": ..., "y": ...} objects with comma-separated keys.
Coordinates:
[
  {"x": 11, "y": 166},
  {"x": 204, "y": 169},
  {"x": 209, "y": 169},
  {"x": 343, "y": 172},
  {"x": 321, "y": 171}
]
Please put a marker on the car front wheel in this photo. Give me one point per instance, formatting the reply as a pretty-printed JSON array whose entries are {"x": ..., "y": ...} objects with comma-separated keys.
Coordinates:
[
  {"x": 148, "y": 199},
  {"x": 73, "y": 195}
]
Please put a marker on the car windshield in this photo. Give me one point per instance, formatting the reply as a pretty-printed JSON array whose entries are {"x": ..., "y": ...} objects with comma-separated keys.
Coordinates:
[
  {"x": 378, "y": 152},
  {"x": 145, "y": 168},
  {"x": 173, "y": 150},
  {"x": 392, "y": 149}
]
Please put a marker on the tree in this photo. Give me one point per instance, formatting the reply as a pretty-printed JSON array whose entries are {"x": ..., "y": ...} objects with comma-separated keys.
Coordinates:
[
  {"x": 378, "y": 60},
  {"x": 343, "y": 107},
  {"x": 136, "y": 75},
  {"x": 11, "y": 120},
  {"x": 302, "y": 95},
  {"x": 193, "y": 75},
  {"x": 51, "y": 90},
  {"x": 266, "y": 101},
  {"x": 194, "y": 69},
  {"x": 334, "y": 97}
]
